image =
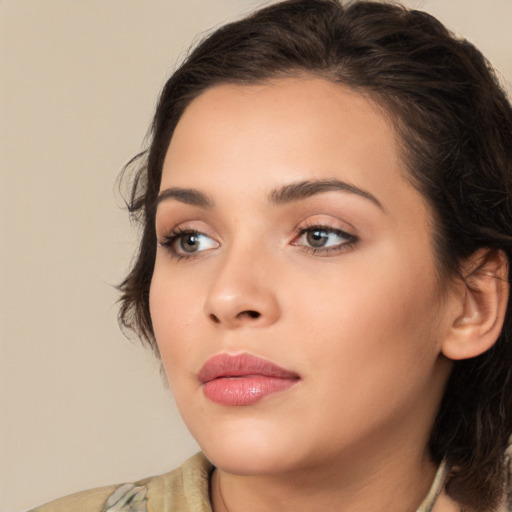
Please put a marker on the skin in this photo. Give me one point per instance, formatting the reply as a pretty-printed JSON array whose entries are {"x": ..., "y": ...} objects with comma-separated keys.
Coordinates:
[{"x": 362, "y": 323}]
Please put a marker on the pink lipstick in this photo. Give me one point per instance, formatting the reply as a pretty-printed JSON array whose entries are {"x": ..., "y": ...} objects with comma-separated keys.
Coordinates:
[{"x": 243, "y": 379}]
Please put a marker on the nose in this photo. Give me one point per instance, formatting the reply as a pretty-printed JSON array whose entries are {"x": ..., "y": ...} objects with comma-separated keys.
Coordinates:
[{"x": 242, "y": 294}]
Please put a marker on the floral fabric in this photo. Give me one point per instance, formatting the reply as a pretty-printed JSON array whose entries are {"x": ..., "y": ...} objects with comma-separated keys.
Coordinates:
[
  {"x": 186, "y": 489},
  {"x": 127, "y": 498}
]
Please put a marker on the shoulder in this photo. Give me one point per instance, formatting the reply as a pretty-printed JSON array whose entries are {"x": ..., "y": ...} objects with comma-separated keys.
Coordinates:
[
  {"x": 88, "y": 501},
  {"x": 185, "y": 489}
]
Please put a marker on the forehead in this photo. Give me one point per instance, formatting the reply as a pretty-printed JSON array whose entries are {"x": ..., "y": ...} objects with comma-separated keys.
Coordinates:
[
  {"x": 288, "y": 111},
  {"x": 252, "y": 139}
]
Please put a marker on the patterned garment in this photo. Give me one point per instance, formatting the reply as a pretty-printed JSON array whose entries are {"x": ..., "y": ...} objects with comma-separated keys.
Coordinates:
[
  {"x": 186, "y": 489},
  {"x": 127, "y": 498},
  {"x": 132, "y": 498}
]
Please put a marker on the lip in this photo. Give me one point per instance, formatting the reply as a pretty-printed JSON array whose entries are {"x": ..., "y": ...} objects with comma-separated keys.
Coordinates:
[{"x": 243, "y": 379}]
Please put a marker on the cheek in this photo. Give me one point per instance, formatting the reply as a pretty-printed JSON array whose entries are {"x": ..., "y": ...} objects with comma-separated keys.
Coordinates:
[
  {"x": 176, "y": 311},
  {"x": 372, "y": 313},
  {"x": 373, "y": 347}
]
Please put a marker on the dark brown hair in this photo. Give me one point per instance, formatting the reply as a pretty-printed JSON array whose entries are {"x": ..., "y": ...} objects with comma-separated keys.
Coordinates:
[{"x": 455, "y": 128}]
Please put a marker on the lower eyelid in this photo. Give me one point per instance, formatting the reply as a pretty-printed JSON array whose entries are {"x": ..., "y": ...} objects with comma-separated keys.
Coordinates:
[{"x": 328, "y": 251}]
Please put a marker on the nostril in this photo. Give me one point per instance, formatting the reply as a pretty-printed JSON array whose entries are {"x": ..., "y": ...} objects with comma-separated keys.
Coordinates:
[
  {"x": 250, "y": 314},
  {"x": 214, "y": 319}
]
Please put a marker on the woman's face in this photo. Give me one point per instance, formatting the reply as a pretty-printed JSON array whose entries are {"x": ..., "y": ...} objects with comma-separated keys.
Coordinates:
[{"x": 287, "y": 231}]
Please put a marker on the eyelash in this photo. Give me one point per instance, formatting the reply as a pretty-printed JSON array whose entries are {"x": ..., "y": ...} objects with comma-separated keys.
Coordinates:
[
  {"x": 169, "y": 241},
  {"x": 351, "y": 240},
  {"x": 176, "y": 234}
]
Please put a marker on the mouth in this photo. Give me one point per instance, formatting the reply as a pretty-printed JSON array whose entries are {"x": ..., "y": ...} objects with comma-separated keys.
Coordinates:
[{"x": 243, "y": 379}]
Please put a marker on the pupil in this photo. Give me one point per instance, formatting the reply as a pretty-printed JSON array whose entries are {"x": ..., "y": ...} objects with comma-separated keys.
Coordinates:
[
  {"x": 189, "y": 243},
  {"x": 317, "y": 238}
]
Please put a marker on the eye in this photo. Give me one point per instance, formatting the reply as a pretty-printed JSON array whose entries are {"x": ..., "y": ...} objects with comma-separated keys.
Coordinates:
[
  {"x": 185, "y": 243},
  {"x": 324, "y": 239}
]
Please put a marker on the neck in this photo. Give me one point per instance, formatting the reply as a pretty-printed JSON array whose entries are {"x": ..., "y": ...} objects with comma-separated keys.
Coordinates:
[{"x": 380, "y": 487}]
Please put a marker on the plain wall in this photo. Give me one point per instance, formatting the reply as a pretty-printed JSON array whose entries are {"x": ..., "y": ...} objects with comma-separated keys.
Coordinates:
[{"x": 80, "y": 405}]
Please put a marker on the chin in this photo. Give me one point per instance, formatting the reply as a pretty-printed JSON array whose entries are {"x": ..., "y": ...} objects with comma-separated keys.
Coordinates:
[
  {"x": 247, "y": 447},
  {"x": 247, "y": 460}
]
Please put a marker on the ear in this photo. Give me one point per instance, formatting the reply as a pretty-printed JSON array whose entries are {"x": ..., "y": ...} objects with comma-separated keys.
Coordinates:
[{"x": 481, "y": 299}]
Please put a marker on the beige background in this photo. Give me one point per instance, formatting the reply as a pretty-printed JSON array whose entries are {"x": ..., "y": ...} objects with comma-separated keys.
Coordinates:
[{"x": 80, "y": 405}]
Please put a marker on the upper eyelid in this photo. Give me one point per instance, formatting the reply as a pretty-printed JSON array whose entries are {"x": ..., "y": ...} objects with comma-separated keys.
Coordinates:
[
  {"x": 316, "y": 221},
  {"x": 179, "y": 231},
  {"x": 301, "y": 227},
  {"x": 167, "y": 226},
  {"x": 328, "y": 226},
  {"x": 333, "y": 224},
  {"x": 328, "y": 229}
]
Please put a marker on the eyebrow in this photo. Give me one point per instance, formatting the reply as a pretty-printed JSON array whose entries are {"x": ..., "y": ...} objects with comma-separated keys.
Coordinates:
[
  {"x": 304, "y": 189},
  {"x": 185, "y": 195},
  {"x": 286, "y": 194}
]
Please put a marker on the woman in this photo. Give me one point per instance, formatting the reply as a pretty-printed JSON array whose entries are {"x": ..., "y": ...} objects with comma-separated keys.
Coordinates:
[{"x": 323, "y": 271}]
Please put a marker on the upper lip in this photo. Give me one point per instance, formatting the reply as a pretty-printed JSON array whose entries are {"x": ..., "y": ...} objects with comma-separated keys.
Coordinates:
[{"x": 228, "y": 365}]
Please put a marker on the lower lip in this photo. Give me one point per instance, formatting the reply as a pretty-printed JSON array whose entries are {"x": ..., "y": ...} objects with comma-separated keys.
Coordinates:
[{"x": 244, "y": 390}]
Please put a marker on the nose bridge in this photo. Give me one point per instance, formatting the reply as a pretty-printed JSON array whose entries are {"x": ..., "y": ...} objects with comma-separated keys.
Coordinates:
[{"x": 243, "y": 292}]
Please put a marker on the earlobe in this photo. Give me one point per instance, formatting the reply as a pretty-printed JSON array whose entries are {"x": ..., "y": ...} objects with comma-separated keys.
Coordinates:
[{"x": 482, "y": 300}]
